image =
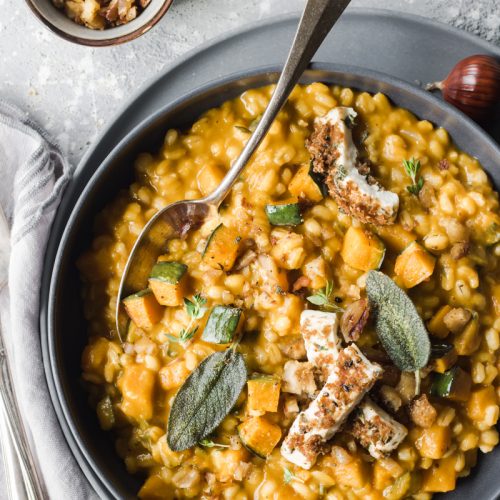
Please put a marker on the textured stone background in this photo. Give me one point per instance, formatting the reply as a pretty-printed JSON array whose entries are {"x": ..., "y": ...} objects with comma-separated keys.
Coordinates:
[{"x": 73, "y": 91}]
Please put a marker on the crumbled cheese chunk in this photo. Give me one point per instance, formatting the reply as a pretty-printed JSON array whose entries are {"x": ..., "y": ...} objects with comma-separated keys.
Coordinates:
[
  {"x": 319, "y": 330},
  {"x": 349, "y": 182},
  {"x": 376, "y": 430},
  {"x": 351, "y": 377}
]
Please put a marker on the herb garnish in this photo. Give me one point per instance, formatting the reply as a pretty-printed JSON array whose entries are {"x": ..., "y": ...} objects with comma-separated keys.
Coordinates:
[
  {"x": 288, "y": 476},
  {"x": 205, "y": 398},
  {"x": 194, "y": 307},
  {"x": 208, "y": 443},
  {"x": 251, "y": 128},
  {"x": 398, "y": 325},
  {"x": 412, "y": 167},
  {"x": 184, "y": 335},
  {"x": 195, "y": 310},
  {"x": 322, "y": 298}
]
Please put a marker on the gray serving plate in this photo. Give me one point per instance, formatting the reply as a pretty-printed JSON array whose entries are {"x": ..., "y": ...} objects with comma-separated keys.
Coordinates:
[
  {"x": 410, "y": 47},
  {"x": 66, "y": 335}
]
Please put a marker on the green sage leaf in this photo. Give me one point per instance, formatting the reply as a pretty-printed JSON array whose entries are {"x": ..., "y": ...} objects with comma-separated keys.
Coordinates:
[
  {"x": 205, "y": 398},
  {"x": 398, "y": 324}
]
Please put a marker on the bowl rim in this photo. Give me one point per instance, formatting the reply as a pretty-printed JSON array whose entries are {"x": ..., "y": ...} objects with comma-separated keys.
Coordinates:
[
  {"x": 105, "y": 42},
  {"x": 49, "y": 349}
]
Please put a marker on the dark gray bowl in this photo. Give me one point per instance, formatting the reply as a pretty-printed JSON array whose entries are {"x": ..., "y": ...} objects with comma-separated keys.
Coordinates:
[{"x": 64, "y": 331}]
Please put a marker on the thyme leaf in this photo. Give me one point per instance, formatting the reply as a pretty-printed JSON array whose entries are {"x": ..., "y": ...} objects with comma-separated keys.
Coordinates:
[
  {"x": 322, "y": 298},
  {"x": 208, "y": 443}
]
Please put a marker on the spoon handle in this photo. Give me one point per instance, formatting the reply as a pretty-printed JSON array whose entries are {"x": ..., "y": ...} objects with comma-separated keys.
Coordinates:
[{"x": 316, "y": 22}]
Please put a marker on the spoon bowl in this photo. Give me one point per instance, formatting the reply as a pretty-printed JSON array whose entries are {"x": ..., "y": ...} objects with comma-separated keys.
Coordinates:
[{"x": 177, "y": 219}]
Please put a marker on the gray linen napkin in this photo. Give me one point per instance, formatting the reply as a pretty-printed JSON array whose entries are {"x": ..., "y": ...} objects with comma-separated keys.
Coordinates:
[{"x": 33, "y": 174}]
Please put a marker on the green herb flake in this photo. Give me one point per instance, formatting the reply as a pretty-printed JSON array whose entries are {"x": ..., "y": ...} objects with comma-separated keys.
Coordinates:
[
  {"x": 208, "y": 443},
  {"x": 412, "y": 168},
  {"x": 206, "y": 398},
  {"x": 398, "y": 324},
  {"x": 245, "y": 130},
  {"x": 322, "y": 298},
  {"x": 287, "y": 475}
]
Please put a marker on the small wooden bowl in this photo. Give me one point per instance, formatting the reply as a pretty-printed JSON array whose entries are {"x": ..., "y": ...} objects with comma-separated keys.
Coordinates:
[{"x": 61, "y": 25}]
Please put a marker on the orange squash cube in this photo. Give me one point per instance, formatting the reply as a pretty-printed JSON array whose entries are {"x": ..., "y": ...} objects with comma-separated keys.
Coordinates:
[
  {"x": 143, "y": 308},
  {"x": 362, "y": 249},
  {"x": 222, "y": 248},
  {"x": 434, "y": 441},
  {"x": 263, "y": 394},
  {"x": 137, "y": 386},
  {"x": 441, "y": 477},
  {"x": 479, "y": 400},
  {"x": 414, "y": 265},
  {"x": 303, "y": 185},
  {"x": 259, "y": 435}
]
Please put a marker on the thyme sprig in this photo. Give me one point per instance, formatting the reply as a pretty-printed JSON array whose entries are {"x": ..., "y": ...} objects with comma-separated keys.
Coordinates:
[
  {"x": 412, "y": 168},
  {"x": 195, "y": 310}
]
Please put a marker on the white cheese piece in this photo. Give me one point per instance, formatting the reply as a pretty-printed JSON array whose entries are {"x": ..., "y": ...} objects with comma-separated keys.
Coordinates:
[
  {"x": 319, "y": 330},
  {"x": 298, "y": 378},
  {"x": 348, "y": 180},
  {"x": 376, "y": 430},
  {"x": 351, "y": 377}
]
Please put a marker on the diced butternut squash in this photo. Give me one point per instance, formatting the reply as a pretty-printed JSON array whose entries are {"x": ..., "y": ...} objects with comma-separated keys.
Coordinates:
[
  {"x": 263, "y": 394},
  {"x": 353, "y": 474},
  {"x": 414, "y": 265},
  {"x": 284, "y": 213},
  {"x": 395, "y": 236},
  {"x": 385, "y": 470},
  {"x": 468, "y": 340},
  {"x": 137, "y": 386},
  {"x": 434, "y": 441},
  {"x": 453, "y": 384},
  {"x": 259, "y": 435},
  {"x": 143, "y": 308},
  {"x": 441, "y": 477},
  {"x": 436, "y": 325},
  {"x": 303, "y": 185},
  {"x": 95, "y": 355},
  {"x": 173, "y": 375},
  {"x": 480, "y": 399},
  {"x": 444, "y": 363},
  {"x": 168, "y": 283},
  {"x": 209, "y": 177},
  {"x": 222, "y": 248},
  {"x": 362, "y": 249},
  {"x": 156, "y": 489}
]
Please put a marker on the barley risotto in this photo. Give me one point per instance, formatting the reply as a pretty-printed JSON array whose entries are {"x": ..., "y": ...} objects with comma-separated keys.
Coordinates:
[{"x": 332, "y": 332}]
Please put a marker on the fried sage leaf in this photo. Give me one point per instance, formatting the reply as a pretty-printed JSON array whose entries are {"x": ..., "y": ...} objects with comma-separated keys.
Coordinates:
[
  {"x": 205, "y": 398},
  {"x": 398, "y": 324}
]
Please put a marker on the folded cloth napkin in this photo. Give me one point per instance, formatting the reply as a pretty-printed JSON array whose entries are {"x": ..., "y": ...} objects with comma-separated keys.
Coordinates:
[{"x": 33, "y": 174}]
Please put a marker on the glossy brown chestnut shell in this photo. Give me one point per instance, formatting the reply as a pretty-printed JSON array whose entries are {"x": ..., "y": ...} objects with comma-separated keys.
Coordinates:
[{"x": 473, "y": 86}]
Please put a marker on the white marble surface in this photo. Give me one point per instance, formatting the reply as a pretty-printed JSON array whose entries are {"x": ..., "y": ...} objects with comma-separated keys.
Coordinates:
[{"x": 73, "y": 91}]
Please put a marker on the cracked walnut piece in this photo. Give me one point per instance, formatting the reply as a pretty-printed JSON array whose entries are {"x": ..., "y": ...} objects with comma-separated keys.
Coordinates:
[{"x": 101, "y": 14}]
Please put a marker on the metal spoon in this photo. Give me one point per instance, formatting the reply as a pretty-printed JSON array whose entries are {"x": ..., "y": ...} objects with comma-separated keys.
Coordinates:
[{"x": 177, "y": 219}]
